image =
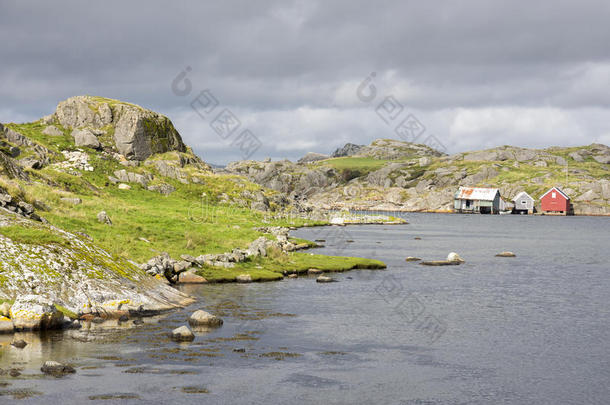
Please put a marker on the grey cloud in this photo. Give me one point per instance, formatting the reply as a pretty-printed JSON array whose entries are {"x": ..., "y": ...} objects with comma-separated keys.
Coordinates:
[{"x": 267, "y": 56}]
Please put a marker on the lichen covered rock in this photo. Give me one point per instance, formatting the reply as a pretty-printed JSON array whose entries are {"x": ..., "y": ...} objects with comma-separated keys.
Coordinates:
[
  {"x": 34, "y": 312},
  {"x": 138, "y": 132}
]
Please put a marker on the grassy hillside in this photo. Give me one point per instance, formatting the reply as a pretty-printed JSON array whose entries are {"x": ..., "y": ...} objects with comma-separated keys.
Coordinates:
[{"x": 206, "y": 212}]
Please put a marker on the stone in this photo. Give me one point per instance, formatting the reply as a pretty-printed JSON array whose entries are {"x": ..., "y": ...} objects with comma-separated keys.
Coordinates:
[
  {"x": 19, "y": 343},
  {"x": 191, "y": 278},
  {"x": 71, "y": 201},
  {"x": 86, "y": 138},
  {"x": 6, "y": 325},
  {"x": 314, "y": 271},
  {"x": 424, "y": 161},
  {"x": 243, "y": 278},
  {"x": 312, "y": 157},
  {"x": 588, "y": 195},
  {"x": 124, "y": 186},
  {"x": 52, "y": 130},
  {"x": 506, "y": 254},
  {"x": 349, "y": 149},
  {"x": 56, "y": 368},
  {"x": 576, "y": 156},
  {"x": 203, "y": 318},
  {"x": 454, "y": 257},
  {"x": 602, "y": 159},
  {"x": 412, "y": 259},
  {"x": 293, "y": 275},
  {"x": 325, "y": 279},
  {"x": 182, "y": 334},
  {"x": 34, "y": 312},
  {"x": 104, "y": 218},
  {"x": 5, "y": 309},
  {"x": 440, "y": 263}
]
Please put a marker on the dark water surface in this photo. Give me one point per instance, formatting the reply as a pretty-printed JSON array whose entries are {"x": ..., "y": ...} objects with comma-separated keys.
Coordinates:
[{"x": 527, "y": 330}]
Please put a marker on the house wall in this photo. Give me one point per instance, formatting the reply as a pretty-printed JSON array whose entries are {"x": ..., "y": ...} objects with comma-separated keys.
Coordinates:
[
  {"x": 559, "y": 203},
  {"x": 524, "y": 204}
]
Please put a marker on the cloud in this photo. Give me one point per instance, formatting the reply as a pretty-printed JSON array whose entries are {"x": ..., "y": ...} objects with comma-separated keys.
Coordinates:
[{"x": 291, "y": 67}]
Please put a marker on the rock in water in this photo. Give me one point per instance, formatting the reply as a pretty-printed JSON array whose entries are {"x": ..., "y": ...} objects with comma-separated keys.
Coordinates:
[
  {"x": 203, "y": 318},
  {"x": 84, "y": 137},
  {"x": 412, "y": 259},
  {"x": 454, "y": 257},
  {"x": 314, "y": 271},
  {"x": 6, "y": 325},
  {"x": 325, "y": 279},
  {"x": 244, "y": 278},
  {"x": 104, "y": 218},
  {"x": 33, "y": 312},
  {"x": 182, "y": 334},
  {"x": 56, "y": 368},
  {"x": 506, "y": 254},
  {"x": 19, "y": 344}
]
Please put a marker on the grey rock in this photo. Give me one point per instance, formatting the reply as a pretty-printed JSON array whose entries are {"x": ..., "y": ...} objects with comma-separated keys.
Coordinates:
[
  {"x": 86, "y": 138},
  {"x": 183, "y": 334},
  {"x": 312, "y": 157},
  {"x": 52, "y": 130},
  {"x": 56, "y": 368},
  {"x": 203, "y": 318},
  {"x": 325, "y": 279},
  {"x": 349, "y": 149},
  {"x": 602, "y": 159},
  {"x": 19, "y": 343},
  {"x": 103, "y": 217},
  {"x": 71, "y": 200}
]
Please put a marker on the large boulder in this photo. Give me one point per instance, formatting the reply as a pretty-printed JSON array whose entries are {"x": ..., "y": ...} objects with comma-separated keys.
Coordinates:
[
  {"x": 33, "y": 312},
  {"x": 138, "y": 132},
  {"x": 84, "y": 137}
]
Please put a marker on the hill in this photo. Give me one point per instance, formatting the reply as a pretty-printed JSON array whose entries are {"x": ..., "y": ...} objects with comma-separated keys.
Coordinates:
[
  {"x": 396, "y": 175},
  {"x": 101, "y": 202}
]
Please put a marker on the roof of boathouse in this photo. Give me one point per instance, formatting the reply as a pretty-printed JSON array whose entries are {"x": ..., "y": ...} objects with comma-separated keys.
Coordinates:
[{"x": 476, "y": 193}]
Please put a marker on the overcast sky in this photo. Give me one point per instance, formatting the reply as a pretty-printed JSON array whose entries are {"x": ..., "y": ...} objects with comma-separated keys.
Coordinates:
[{"x": 475, "y": 74}]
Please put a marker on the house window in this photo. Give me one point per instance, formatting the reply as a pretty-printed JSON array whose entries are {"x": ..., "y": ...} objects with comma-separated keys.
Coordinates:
[
  {"x": 554, "y": 194},
  {"x": 523, "y": 202}
]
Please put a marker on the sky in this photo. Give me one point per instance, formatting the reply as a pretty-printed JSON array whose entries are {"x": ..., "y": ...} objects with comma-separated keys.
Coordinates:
[{"x": 301, "y": 76}]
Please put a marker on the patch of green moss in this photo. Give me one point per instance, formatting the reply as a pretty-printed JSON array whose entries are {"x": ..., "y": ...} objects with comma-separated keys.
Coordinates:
[{"x": 66, "y": 312}]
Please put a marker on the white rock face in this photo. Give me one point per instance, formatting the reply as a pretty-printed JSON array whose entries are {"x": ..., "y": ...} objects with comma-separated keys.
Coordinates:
[
  {"x": 203, "y": 318},
  {"x": 80, "y": 276},
  {"x": 33, "y": 312}
]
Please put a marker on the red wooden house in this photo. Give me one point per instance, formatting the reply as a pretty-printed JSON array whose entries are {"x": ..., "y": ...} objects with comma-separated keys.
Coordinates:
[{"x": 555, "y": 202}]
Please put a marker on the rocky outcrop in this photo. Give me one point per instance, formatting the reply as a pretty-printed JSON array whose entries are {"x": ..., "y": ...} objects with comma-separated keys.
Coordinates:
[
  {"x": 74, "y": 273},
  {"x": 312, "y": 157},
  {"x": 138, "y": 132},
  {"x": 349, "y": 149}
]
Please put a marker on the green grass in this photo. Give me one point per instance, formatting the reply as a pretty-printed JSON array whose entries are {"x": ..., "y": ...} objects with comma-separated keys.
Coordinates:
[
  {"x": 274, "y": 266},
  {"x": 32, "y": 235}
]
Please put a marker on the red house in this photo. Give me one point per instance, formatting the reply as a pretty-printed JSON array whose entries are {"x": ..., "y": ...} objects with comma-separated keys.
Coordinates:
[{"x": 555, "y": 202}]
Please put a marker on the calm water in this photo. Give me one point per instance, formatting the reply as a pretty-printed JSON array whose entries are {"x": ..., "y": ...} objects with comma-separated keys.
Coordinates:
[{"x": 526, "y": 330}]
